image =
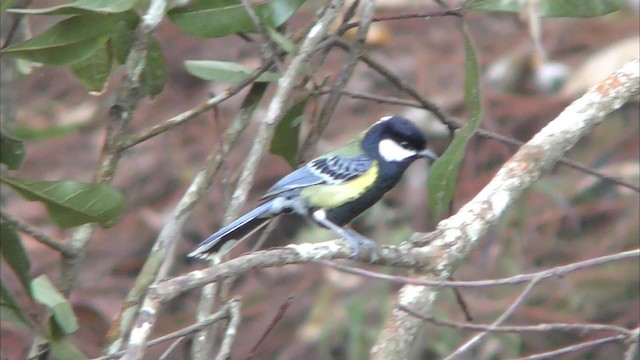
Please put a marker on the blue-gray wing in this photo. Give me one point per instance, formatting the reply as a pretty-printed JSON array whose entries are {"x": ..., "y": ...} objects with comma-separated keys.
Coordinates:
[{"x": 324, "y": 170}]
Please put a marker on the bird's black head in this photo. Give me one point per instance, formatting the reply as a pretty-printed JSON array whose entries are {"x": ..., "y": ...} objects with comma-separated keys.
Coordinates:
[{"x": 395, "y": 139}]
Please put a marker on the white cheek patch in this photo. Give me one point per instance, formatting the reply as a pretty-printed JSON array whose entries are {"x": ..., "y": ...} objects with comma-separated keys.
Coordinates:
[{"x": 392, "y": 151}]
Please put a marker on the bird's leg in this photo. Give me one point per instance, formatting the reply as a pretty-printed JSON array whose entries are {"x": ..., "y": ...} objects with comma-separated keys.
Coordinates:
[{"x": 353, "y": 238}]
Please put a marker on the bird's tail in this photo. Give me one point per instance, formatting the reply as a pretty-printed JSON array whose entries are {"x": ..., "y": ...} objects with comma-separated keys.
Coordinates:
[{"x": 237, "y": 230}]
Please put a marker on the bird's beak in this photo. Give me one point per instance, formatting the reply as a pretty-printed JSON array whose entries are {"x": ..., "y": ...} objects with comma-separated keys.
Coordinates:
[{"x": 428, "y": 154}]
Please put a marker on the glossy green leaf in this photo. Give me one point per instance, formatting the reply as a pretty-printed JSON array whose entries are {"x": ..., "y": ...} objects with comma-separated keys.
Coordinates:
[
  {"x": 68, "y": 41},
  {"x": 14, "y": 253},
  {"x": 93, "y": 72},
  {"x": 444, "y": 172},
  {"x": 11, "y": 151},
  {"x": 224, "y": 71},
  {"x": 287, "y": 133},
  {"x": 81, "y": 7},
  {"x": 12, "y": 312},
  {"x": 45, "y": 293},
  {"x": 217, "y": 18},
  {"x": 5, "y": 4},
  {"x": 552, "y": 8},
  {"x": 154, "y": 74},
  {"x": 72, "y": 203}
]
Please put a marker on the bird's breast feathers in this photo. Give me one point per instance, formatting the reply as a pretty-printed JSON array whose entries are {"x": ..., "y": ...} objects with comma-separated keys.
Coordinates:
[{"x": 328, "y": 196}]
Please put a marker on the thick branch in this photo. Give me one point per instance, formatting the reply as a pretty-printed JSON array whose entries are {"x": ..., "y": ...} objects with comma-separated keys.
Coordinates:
[{"x": 455, "y": 236}]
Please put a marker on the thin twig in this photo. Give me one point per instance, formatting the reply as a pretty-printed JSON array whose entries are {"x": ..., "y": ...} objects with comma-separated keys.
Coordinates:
[
  {"x": 232, "y": 329},
  {"x": 557, "y": 271},
  {"x": 574, "y": 348},
  {"x": 505, "y": 315},
  {"x": 220, "y": 315},
  {"x": 274, "y": 49},
  {"x": 580, "y": 328},
  {"x": 192, "y": 113},
  {"x": 276, "y": 319},
  {"x": 427, "y": 15},
  {"x": 37, "y": 234},
  {"x": 401, "y": 85}
]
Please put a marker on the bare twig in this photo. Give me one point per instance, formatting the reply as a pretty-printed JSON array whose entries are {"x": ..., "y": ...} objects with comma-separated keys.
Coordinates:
[
  {"x": 557, "y": 271},
  {"x": 273, "y": 47},
  {"x": 232, "y": 330},
  {"x": 427, "y": 15},
  {"x": 580, "y": 328},
  {"x": 192, "y": 113},
  {"x": 402, "y": 85},
  {"x": 505, "y": 315},
  {"x": 276, "y": 319},
  {"x": 220, "y": 315},
  {"x": 575, "y": 348},
  {"x": 37, "y": 234}
]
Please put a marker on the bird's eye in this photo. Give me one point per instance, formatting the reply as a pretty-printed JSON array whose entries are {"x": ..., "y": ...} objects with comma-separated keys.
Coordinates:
[{"x": 405, "y": 144}]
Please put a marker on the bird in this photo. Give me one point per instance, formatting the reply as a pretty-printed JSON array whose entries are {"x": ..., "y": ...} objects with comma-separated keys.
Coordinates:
[{"x": 334, "y": 188}]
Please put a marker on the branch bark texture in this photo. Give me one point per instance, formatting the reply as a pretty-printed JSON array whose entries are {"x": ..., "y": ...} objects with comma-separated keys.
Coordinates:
[{"x": 454, "y": 237}]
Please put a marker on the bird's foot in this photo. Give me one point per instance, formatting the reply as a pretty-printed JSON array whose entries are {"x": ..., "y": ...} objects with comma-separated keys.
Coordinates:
[{"x": 356, "y": 241}]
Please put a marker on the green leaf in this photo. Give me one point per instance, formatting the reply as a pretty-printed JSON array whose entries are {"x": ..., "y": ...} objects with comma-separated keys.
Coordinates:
[
  {"x": 552, "y": 8},
  {"x": 72, "y": 203},
  {"x": 122, "y": 37},
  {"x": 283, "y": 41},
  {"x": 444, "y": 172},
  {"x": 11, "y": 151},
  {"x": 81, "y": 7},
  {"x": 14, "y": 253},
  {"x": 224, "y": 71},
  {"x": 153, "y": 75},
  {"x": 45, "y": 293},
  {"x": 287, "y": 133},
  {"x": 49, "y": 132},
  {"x": 5, "y": 4},
  {"x": 93, "y": 72},
  {"x": 217, "y": 18},
  {"x": 12, "y": 312},
  {"x": 68, "y": 41},
  {"x": 61, "y": 345}
]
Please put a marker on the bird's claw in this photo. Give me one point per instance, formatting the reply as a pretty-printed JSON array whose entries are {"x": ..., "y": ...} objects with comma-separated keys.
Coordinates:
[{"x": 356, "y": 241}]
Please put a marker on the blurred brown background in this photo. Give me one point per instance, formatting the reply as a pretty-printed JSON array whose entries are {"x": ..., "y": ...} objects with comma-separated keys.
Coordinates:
[{"x": 567, "y": 216}]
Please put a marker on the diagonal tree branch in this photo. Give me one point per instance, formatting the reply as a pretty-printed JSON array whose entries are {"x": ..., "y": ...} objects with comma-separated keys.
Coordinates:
[{"x": 456, "y": 236}]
